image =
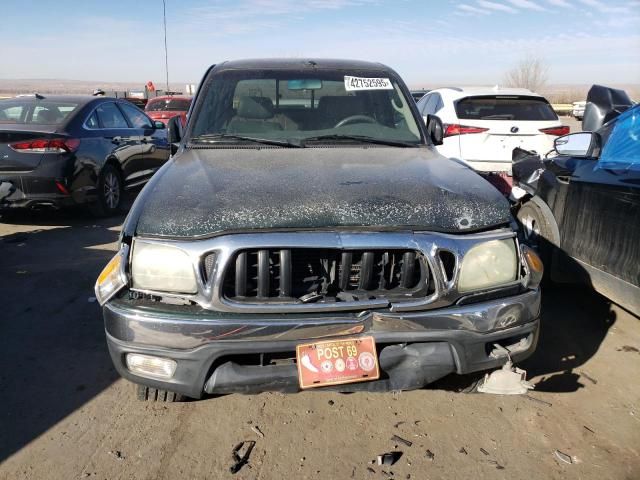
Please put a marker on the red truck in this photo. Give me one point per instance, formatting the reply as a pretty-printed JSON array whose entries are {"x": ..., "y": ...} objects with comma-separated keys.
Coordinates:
[{"x": 166, "y": 107}]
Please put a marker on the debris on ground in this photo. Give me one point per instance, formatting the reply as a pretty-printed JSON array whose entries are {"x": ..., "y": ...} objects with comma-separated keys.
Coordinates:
[
  {"x": 117, "y": 454},
  {"x": 484, "y": 451},
  {"x": 588, "y": 377},
  {"x": 430, "y": 455},
  {"x": 548, "y": 404},
  {"x": 627, "y": 348},
  {"x": 588, "y": 429},
  {"x": 563, "y": 457},
  {"x": 331, "y": 402},
  {"x": 389, "y": 458},
  {"x": 509, "y": 380},
  {"x": 387, "y": 474},
  {"x": 398, "y": 424},
  {"x": 463, "y": 450},
  {"x": 396, "y": 438},
  {"x": 255, "y": 429},
  {"x": 371, "y": 470},
  {"x": 240, "y": 455}
]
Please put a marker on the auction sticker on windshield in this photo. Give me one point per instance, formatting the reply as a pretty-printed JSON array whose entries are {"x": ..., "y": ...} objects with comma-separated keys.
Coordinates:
[
  {"x": 359, "y": 83},
  {"x": 336, "y": 362}
]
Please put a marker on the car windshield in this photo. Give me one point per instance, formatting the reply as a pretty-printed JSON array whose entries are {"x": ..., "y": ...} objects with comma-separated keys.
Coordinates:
[
  {"x": 168, "y": 104},
  {"x": 36, "y": 111},
  {"x": 492, "y": 107},
  {"x": 323, "y": 106}
]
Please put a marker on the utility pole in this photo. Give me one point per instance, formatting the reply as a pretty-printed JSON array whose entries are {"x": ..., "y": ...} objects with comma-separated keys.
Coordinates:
[{"x": 166, "y": 56}]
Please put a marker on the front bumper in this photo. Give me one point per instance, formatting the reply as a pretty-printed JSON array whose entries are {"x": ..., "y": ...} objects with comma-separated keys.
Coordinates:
[{"x": 224, "y": 353}]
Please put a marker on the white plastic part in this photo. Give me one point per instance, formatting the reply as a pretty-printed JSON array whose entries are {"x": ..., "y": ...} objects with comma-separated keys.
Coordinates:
[
  {"x": 516, "y": 193},
  {"x": 509, "y": 380}
]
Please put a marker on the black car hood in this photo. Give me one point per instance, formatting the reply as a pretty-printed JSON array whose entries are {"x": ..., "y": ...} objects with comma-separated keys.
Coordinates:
[{"x": 208, "y": 191}]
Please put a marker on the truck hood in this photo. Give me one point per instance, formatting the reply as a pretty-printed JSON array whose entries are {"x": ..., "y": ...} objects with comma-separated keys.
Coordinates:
[{"x": 208, "y": 191}]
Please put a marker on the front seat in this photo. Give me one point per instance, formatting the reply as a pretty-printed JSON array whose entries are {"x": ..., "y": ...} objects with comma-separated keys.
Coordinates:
[
  {"x": 46, "y": 116},
  {"x": 255, "y": 115}
]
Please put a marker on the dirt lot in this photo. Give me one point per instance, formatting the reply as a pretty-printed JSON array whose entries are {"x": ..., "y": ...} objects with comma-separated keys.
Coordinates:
[{"x": 66, "y": 414}]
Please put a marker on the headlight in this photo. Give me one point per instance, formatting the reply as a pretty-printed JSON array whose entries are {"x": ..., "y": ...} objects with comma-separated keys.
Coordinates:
[
  {"x": 162, "y": 268},
  {"x": 488, "y": 264},
  {"x": 112, "y": 278}
]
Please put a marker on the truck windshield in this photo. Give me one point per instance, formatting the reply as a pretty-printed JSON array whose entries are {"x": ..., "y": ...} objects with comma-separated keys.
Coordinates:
[{"x": 323, "y": 106}]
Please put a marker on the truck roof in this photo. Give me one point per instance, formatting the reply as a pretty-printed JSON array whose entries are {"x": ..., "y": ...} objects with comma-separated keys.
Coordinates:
[{"x": 301, "y": 63}]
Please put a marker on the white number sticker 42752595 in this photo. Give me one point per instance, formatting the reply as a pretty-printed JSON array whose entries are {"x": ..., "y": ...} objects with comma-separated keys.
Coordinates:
[{"x": 359, "y": 83}]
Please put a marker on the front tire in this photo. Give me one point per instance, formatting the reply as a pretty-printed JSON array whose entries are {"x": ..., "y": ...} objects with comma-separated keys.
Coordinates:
[
  {"x": 110, "y": 190},
  {"x": 148, "y": 394},
  {"x": 537, "y": 231}
]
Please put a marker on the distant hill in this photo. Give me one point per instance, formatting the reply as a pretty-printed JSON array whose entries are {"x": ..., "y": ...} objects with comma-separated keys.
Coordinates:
[{"x": 17, "y": 86}]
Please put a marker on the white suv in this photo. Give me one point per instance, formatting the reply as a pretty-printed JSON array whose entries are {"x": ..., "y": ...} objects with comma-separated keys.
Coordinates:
[{"x": 482, "y": 126}]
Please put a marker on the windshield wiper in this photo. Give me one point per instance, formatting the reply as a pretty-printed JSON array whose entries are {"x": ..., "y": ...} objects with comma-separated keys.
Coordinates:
[
  {"x": 214, "y": 137},
  {"x": 359, "y": 138}
]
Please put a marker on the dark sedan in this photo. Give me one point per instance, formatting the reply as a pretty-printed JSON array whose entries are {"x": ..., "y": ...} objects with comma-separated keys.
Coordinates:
[
  {"x": 57, "y": 151},
  {"x": 582, "y": 206}
]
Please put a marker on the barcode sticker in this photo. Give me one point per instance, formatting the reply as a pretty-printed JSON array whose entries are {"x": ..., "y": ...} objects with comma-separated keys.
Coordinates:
[{"x": 359, "y": 83}]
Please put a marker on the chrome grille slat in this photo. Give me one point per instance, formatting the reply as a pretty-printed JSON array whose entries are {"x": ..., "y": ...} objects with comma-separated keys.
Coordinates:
[
  {"x": 285, "y": 273},
  {"x": 263, "y": 274},
  {"x": 345, "y": 270},
  {"x": 241, "y": 275}
]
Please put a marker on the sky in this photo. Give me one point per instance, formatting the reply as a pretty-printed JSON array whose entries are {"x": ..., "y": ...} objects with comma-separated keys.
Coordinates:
[{"x": 427, "y": 42}]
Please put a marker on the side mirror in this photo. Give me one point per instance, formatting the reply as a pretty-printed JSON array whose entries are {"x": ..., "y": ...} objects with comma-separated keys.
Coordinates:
[
  {"x": 435, "y": 129},
  {"x": 174, "y": 133},
  {"x": 581, "y": 144},
  {"x": 158, "y": 125}
]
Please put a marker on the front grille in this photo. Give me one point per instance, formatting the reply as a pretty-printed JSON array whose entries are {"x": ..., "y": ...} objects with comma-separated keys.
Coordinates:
[{"x": 325, "y": 275}]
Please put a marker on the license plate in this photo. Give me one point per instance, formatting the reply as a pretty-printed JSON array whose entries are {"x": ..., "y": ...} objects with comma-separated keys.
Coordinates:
[{"x": 335, "y": 362}]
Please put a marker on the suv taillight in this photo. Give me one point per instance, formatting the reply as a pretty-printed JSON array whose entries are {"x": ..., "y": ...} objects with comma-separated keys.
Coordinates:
[
  {"x": 453, "y": 129},
  {"x": 47, "y": 145},
  {"x": 557, "y": 131}
]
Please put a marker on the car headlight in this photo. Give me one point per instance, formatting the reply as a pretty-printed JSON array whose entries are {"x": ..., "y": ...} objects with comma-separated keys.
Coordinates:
[
  {"x": 489, "y": 264},
  {"x": 162, "y": 268},
  {"x": 113, "y": 276}
]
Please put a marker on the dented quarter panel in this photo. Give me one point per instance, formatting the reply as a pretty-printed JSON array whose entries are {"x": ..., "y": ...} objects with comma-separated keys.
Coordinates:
[{"x": 209, "y": 191}]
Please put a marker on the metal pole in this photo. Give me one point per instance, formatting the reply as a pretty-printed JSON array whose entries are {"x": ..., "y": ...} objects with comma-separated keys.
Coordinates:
[{"x": 166, "y": 57}]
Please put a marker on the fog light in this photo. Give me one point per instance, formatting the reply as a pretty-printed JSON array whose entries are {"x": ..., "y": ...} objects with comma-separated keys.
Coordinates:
[{"x": 151, "y": 366}]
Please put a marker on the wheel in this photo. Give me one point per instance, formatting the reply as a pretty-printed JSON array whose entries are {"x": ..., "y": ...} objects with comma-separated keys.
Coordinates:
[
  {"x": 538, "y": 231},
  {"x": 148, "y": 394},
  {"x": 109, "y": 192}
]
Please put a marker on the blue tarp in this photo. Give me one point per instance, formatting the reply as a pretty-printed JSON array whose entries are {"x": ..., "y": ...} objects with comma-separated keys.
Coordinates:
[{"x": 622, "y": 150}]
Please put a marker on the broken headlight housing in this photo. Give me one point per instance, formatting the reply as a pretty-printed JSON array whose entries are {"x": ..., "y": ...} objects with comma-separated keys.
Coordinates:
[
  {"x": 162, "y": 268},
  {"x": 113, "y": 277},
  {"x": 488, "y": 265}
]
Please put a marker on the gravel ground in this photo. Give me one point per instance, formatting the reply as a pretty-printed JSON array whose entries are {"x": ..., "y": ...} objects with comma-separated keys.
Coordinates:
[{"x": 66, "y": 414}]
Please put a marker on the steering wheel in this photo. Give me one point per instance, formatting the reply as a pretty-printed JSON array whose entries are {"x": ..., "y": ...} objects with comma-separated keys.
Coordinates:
[{"x": 355, "y": 119}]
